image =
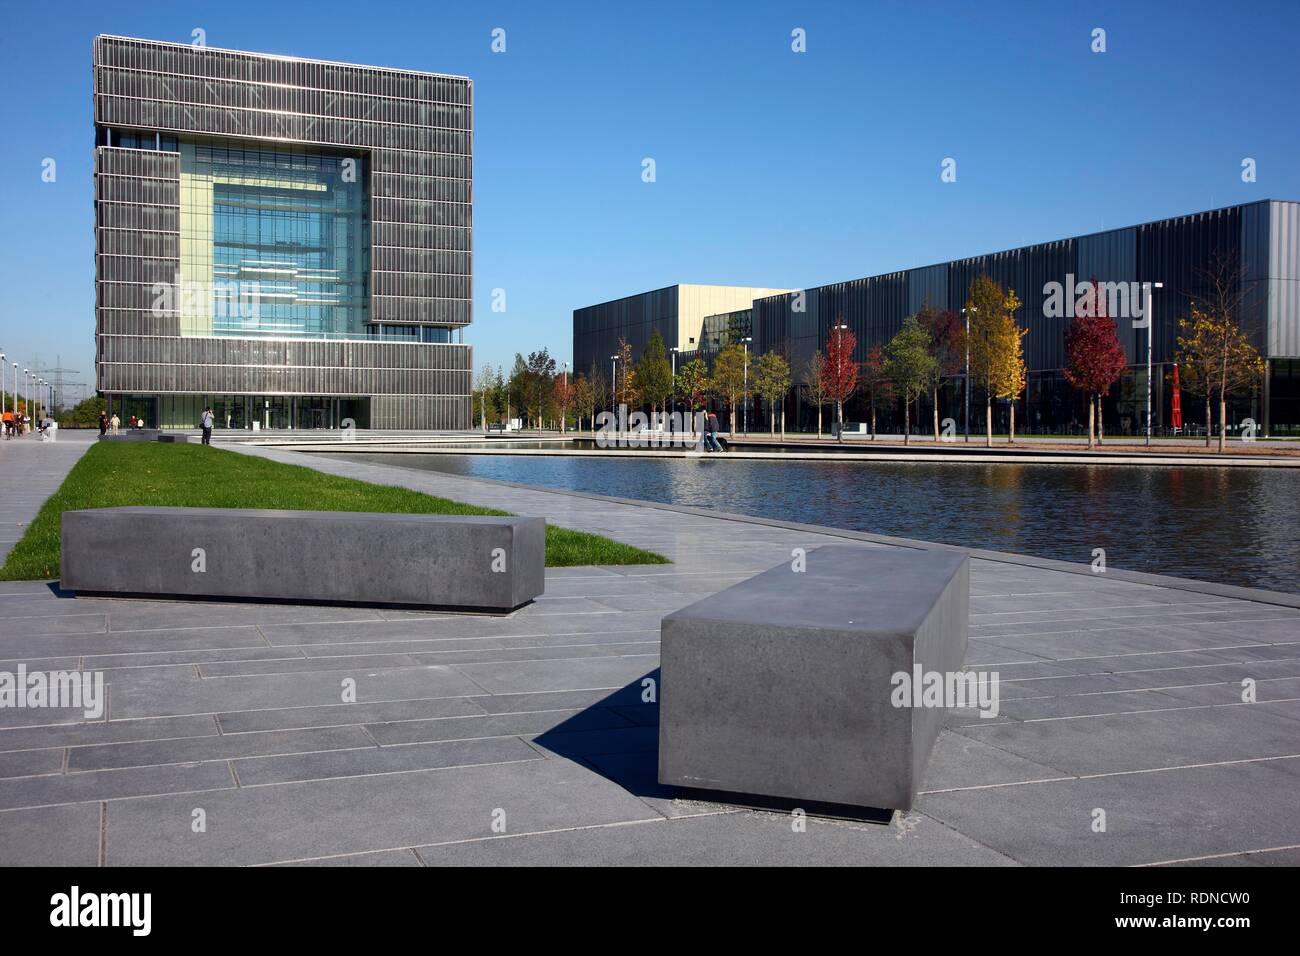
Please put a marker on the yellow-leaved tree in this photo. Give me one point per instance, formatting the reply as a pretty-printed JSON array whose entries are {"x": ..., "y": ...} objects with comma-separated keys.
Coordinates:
[{"x": 997, "y": 360}]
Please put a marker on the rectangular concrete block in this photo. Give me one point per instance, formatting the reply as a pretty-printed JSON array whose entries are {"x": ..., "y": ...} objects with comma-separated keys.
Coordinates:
[
  {"x": 782, "y": 686},
  {"x": 134, "y": 434},
  {"x": 490, "y": 563}
]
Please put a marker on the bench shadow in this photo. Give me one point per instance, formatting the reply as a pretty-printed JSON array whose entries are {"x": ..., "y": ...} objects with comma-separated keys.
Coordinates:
[{"x": 617, "y": 737}]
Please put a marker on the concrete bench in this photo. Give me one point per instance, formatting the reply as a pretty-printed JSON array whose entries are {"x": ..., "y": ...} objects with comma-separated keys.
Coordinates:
[
  {"x": 134, "y": 434},
  {"x": 482, "y": 563},
  {"x": 782, "y": 686}
]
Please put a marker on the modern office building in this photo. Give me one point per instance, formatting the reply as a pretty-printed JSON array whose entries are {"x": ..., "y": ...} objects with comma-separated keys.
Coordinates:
[
  {"x": 1257, "y": 244},
  {"x": 286, "y": 240},
  {"x": 677, "y": 312}
]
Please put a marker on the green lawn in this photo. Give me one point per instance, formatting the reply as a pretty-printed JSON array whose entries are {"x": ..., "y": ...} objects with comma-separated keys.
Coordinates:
[{"x": 114, "y": 474}]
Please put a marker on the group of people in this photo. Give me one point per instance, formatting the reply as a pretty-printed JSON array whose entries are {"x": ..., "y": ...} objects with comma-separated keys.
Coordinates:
[
  {"x": 15, "y": 424},
  {"x": 111, "y": 425}
]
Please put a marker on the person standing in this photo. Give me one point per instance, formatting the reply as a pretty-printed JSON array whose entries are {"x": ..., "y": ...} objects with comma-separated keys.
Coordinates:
[
  {"x": 206, "y": 422},
  {"x": 114, "y": 423},
  {"x": 103, "y": 424}
]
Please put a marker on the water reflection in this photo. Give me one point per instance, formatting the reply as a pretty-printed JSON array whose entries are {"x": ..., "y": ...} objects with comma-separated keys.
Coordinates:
[{"x": 1232, "y": 525}]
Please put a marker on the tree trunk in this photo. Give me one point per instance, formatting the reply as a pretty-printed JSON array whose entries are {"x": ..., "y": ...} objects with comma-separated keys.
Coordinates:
[
  {"x": 988, "y": 421},
  {"x": 771, "y": 421},
  {"x": 1011, "y": 433},
  {"x": 1101, "y": 423},
  {"x": 819, "y": 423},
  {"x": 935, "y": 395},
  {"x": 873, "y": 416},
  {"x": 907, "y": 422},
  {"x": 839, "y": 420},
  {"x": 1092, "y": 432},
  {"x": 1209, "y": 422},
  {"x": 733, "y": 419},
  {"x": 1223, "y": 420}
]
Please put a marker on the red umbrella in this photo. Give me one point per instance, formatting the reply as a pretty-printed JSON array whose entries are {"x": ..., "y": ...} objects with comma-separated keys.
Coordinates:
[{"x": 1176, "y": 413}]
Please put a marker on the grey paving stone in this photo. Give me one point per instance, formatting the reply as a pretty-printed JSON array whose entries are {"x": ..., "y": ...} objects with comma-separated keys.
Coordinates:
[
  {"x": 223, "y": 747},
  {"x": 106, "y": 732},
  {"x": 1144, "y": 741},
  {"x": 497, "y": 725},
  {"x": 112, "y": 784},
  {"x": 297, "y": 821},
  {"x": 50, "y": 836},
  {"x": 267, "y": 692},
  {"x": 1150, "y": 817},
  {"x": 384, "y": 858},
  {"x": 260, "y": 771},
  {"x": 533, "y": 676},
  {"x": 724, "y": 839},
  {"x": 29, "y": 763},
  {"x": 340, "y": 715}
]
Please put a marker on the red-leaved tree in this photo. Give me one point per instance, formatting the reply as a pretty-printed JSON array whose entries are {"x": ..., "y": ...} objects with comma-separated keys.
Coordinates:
[
  {"x": 1094, "y": 359},
  {"x": 840, "y": 371}
]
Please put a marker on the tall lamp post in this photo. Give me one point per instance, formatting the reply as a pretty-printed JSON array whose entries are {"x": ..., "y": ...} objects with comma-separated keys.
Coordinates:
[
  {"x": 27, "y": 390},
  {"x": 564, "y": 412},
  {"x": 2, "y": 384},
  {"x": 674, "y": 350},
  {"x": 745, "y": 342},
  {"x": 966, "y": 382},
  {"x": 1151, "y": 320},
  {"x": 16, "y": 397},
  {"x": 613, "y": 385}
]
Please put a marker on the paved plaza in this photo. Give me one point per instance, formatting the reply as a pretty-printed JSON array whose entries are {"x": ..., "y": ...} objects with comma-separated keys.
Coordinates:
[{"x": 524, "y": 739}]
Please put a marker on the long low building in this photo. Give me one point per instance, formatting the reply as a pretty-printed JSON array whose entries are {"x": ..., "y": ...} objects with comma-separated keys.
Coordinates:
[{"x": 1257, "y": 244}]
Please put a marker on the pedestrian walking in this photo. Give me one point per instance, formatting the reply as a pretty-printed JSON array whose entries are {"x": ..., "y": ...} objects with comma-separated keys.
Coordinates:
[{"x": 205, "y": 422}]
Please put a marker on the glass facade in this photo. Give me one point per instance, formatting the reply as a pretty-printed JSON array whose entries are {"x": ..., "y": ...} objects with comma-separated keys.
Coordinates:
[{"x": 281, "y": 237}]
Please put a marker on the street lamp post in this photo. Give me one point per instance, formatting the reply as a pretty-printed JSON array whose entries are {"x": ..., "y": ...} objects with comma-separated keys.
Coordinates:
[
  {"x": 613, "y": 385},
  {"x": 2, "y": 384},
  {"x": 673, "y": 350},
  {"x": 1151, "y": 318},
  {"x": 966, "y": 381},
  {"x": 27, "y": 390},
  {"x": 564, "y": 412},
  {"x": 745, "y": 341}
]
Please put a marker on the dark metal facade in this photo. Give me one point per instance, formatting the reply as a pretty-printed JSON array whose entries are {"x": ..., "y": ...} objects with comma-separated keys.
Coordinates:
[
  {"x": 413, "y": 132},
  {"x": 1259, "y": 241}
]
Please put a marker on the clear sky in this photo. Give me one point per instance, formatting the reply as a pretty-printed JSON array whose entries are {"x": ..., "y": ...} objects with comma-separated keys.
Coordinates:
[{"x": 774, "y": 168}]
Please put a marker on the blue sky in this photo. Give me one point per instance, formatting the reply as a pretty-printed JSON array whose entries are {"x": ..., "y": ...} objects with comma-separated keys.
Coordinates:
[{"x": 773, "y": 168}]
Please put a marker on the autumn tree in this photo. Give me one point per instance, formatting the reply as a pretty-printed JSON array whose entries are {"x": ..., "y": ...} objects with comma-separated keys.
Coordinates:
[
  {"x": 875, "y": 382},
  {"x": 625, "y": 384},
  {"x": 1219, "y": 360},
  {"x": 693, "y": 385},
  {"x": 563, "y": 399},
  {"x": 909, "y": 366},
  {"x": 771, "y": 383},
  {"x": 654, "y": 375},
  {"x": 600, "y": 389},
  {"x": 815, "y": 385},
  {"x": 839, "y": 371},
  {"x": 947, "y": 348},
  {"x": 584, "y": 399},
  {"x": 1094, "y": 358},
  {"x": 729, "y": 378},
  {"x": 996, "y": 354}
]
